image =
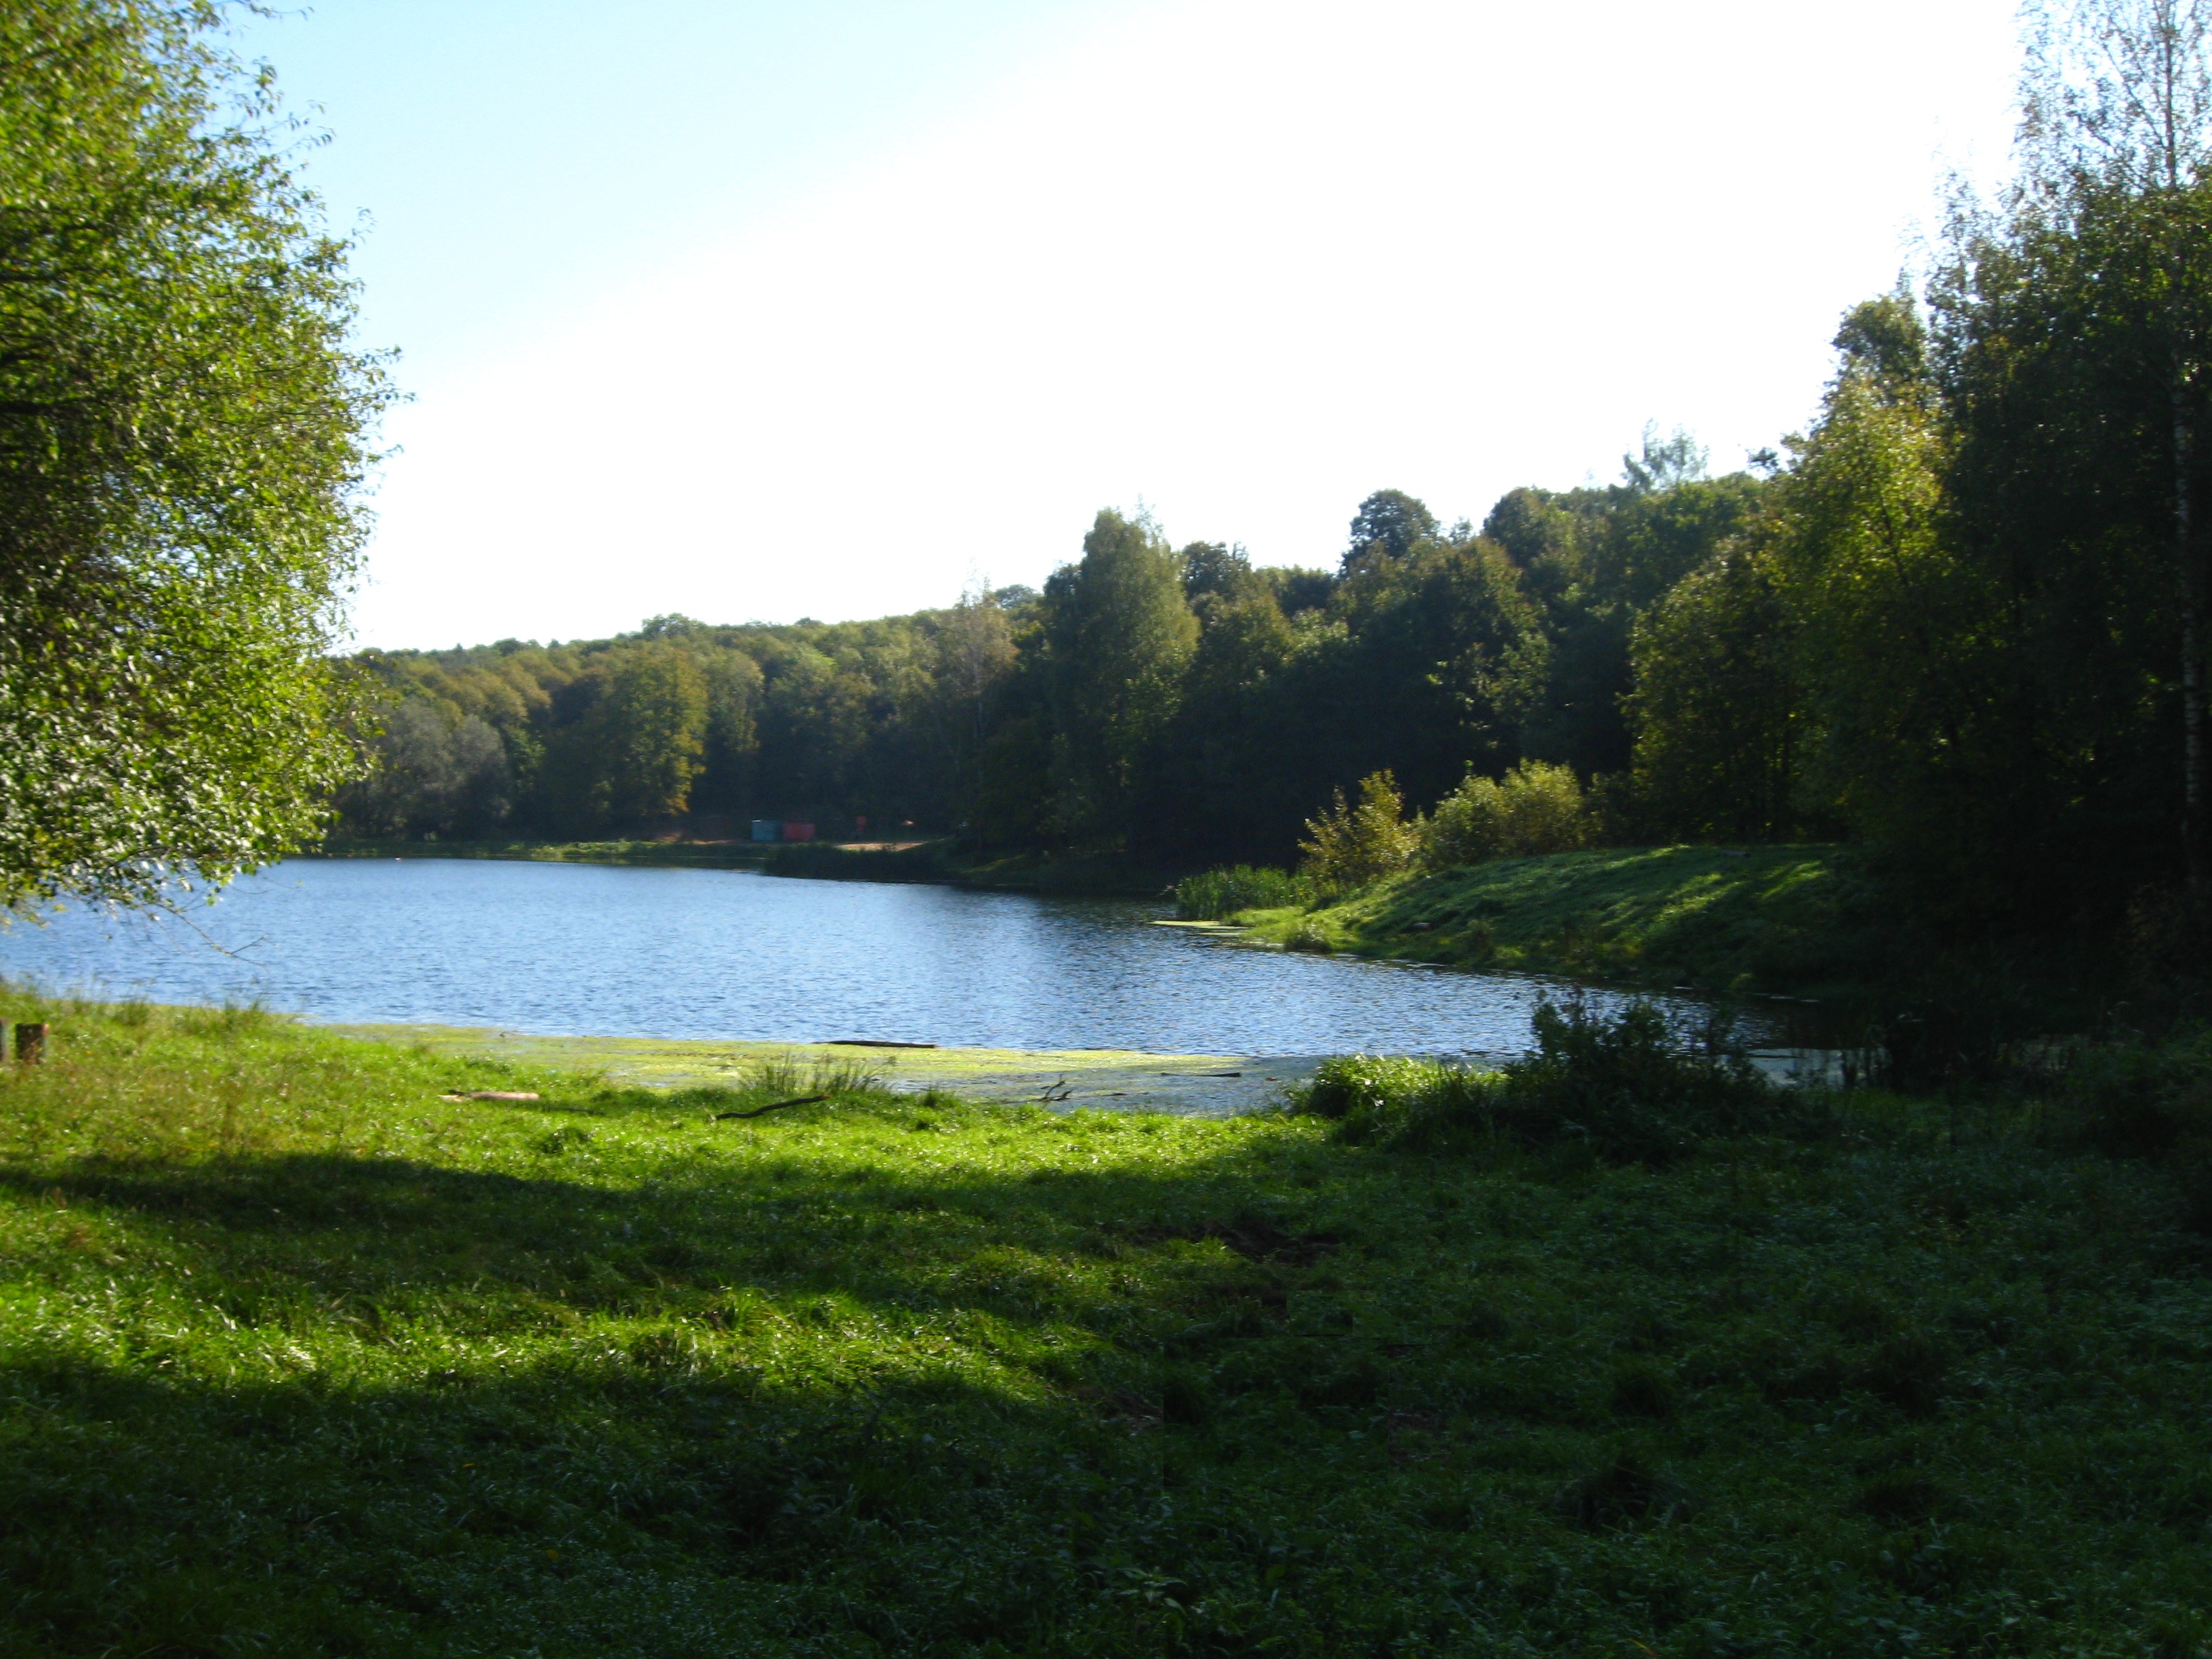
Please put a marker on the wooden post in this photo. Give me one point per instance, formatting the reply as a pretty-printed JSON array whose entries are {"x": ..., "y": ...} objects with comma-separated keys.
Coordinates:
[{"x": 30, "y": 1042}]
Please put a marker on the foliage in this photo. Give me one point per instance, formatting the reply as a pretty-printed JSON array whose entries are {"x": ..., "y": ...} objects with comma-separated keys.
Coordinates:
[
  {"x": 644, "y": 733},
  {"x": 1349, "y": 847},
  {"x": 2141, "y": 1098},
  {"x": 1536, "y": 808},
  {"x": 182, "y": 425},
  {"x": 298, "y": 1357},
  {"x": 1403, "y": 1100},
  {"x": 1117, "y": 635},
  {"x": 1389, "y": 525},
  {"x": 1717, "y": 708},
  {"x": 1626, "y": 1087},
  {"x": 1631, "y": 1086},
  {"x": 1214, "y": 894},
  {"x": 434, "y": 777}
]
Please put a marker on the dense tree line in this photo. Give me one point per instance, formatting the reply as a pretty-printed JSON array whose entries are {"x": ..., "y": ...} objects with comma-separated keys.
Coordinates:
[{"x": 1179, "y": 703}]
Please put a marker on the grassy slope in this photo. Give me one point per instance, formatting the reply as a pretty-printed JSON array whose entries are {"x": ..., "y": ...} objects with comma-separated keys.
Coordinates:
[
  {"x": 1771, "y": 918},
  {"x": 295, "y": 1357}
]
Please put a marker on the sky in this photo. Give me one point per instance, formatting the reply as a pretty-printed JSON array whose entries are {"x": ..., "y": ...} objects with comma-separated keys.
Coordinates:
[{"x": 765, "y": 311}]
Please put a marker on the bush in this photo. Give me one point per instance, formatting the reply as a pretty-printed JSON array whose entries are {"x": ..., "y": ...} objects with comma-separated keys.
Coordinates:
[
  {"x": 1219, "y": 893},
  {"x": 1535, "y": 808},
  {"x": 1627, "y": 1087},
  {"x": 2140, "y": 1099},
  {"x": 1353, "y": 846},
  {"x": 1392, "y": 1099}
]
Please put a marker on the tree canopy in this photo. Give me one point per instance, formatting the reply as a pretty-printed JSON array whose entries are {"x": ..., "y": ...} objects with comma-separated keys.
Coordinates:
[{"x": 182, "y": 448}]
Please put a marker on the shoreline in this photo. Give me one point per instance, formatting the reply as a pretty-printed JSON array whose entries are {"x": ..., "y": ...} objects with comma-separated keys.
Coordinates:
[
  {"x": 926, "y": 862},
  {"x": 1114, "y": 1079}
]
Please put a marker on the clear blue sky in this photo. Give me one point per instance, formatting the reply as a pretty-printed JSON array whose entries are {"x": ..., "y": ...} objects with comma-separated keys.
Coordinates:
[{"x": 764, "y": 310}]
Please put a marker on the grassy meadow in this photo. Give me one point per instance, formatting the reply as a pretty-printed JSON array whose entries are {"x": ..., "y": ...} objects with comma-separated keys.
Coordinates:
[{"x": 298, "y": 1356}]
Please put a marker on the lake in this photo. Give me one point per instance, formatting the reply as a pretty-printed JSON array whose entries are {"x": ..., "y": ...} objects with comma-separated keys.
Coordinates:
[{"x": 626, "y": 952}]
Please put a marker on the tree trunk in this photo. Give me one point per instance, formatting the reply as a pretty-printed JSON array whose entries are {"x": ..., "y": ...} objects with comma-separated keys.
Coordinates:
[{"x": 2192, "y": 644}]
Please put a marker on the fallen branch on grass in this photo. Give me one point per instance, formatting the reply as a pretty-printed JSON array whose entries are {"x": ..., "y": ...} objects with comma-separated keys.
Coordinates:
[
  {"x": 491, "y": 1094},
  {"x": 804, "y": 1100}
]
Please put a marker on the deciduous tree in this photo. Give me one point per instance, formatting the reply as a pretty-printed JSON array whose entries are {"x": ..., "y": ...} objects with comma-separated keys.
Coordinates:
[{"x": 182, "y": 449}]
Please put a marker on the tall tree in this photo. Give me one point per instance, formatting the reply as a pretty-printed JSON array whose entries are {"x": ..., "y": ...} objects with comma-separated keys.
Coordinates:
[
  {"x": 1118, "y": 633},
  {"x": 974, "y": 659},
  {"x": 2117, "y": 127},
  {"x": 1387, "y": 526},
  {"x": 1716, "y": 707},
  {"x": 182, "y": 444},
  {"x": 645, "y": 733}
]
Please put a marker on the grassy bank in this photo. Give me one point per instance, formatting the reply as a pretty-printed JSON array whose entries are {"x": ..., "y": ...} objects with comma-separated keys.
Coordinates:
[
  {"x": 1784, "y": 919},
  {"x": 296, "y": 1355}
]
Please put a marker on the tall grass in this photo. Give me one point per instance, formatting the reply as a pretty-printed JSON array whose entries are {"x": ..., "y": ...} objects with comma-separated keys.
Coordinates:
[
  {"x": 1219, "y": 893},
  {"x": 788, "y": 1077}
]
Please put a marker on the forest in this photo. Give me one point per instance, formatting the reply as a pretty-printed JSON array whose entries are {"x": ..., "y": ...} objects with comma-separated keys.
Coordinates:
[
  {"x": 1178, "y": 702},
  {"x": 1935, "y": 623}
]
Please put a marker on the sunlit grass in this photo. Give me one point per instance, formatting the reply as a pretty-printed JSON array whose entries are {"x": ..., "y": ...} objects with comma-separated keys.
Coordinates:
[
  {"x": 1765, "y": 918},
  {"x": 297, "y": 1357}
]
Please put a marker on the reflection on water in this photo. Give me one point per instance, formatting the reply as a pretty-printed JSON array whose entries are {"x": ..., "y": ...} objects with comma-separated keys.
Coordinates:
[{"x": 574, "y": 948}]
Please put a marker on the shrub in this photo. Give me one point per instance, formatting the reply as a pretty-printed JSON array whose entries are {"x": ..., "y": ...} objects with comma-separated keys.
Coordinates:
[
  {"x": 1631, "y": 1085},
  {"x": 1629, "y": 1088},
  {"x": 1376, "y": 1097},
  {"x": 1219, "y": 893},
  {"x": 1535, "y": 808},
  {"x": 2138, "y": 1098},
  {"x": 1353, "y": 846},
  {"x": 2143, "y": 1100}
]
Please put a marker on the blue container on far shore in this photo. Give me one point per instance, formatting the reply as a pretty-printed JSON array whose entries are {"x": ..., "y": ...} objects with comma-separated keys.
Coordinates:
[{"x": 767, "y": 829}]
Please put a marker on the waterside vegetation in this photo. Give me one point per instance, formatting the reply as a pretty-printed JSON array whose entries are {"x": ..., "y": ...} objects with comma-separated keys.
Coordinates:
[
  {"x": 301, "y": 1353},
  {"x": 1800, "y": 921}
]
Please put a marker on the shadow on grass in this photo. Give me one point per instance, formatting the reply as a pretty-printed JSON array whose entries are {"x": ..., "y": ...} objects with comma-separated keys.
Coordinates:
[
  {"x": 772, "y": 1407},
  {"x": 629, "y": 1506},
  {"x": 325, "y": 1225},
  {"x": 796, "y": 1403}
]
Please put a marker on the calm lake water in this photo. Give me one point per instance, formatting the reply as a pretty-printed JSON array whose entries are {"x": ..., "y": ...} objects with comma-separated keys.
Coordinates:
[{"x": 579, "y": 949}]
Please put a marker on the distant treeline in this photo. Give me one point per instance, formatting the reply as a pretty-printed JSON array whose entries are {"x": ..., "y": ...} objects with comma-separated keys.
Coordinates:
[
  {"x": 1180, "y": 703},
  {"x": 1959, "y": 620}
]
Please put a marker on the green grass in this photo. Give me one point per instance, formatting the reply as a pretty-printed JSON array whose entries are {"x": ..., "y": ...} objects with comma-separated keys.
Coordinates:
[
  {"x": 298, "y": 1358},
  {"x": 1790, "y": 919}
]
